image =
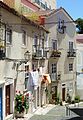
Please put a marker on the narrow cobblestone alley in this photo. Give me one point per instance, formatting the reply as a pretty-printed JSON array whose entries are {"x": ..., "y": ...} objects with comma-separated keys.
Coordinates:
[
  {"x": 56, "y": 113},
  {"x": 52, "y": 112}
]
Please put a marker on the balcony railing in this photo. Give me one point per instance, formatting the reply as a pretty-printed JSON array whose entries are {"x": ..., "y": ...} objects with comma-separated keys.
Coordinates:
[
  {"x": 39, "y": 53},
  {"x": 2, "y": 54},
  {"x": 55, "y": 77},
  {"x": 71, "y": 53},
  {"x": 2, "y": 49},
  {"x": 55, "y": 53}
]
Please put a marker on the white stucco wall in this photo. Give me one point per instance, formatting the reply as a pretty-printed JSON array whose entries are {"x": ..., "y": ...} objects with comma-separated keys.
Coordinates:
[
  {"x": 79, "y": 69},
  {"x": 67, "y": 77}
]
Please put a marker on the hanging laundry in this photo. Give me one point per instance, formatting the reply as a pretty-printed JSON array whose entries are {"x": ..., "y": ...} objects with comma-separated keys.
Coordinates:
[
  {"x": 35, "y": 77},
  {"x": 30, "y": 84}
]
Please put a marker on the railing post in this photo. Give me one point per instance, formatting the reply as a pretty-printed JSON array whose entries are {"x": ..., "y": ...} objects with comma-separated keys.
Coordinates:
[{"x": 66, "y": 111}]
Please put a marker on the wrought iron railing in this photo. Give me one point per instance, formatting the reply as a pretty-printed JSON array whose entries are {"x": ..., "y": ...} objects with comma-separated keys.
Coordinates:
[
  {"x": 55, "y": 53},
  {"x": 39, "y": 52},
  {"x": 71, "y": 53},
  {"x": 55, "y": 76}
]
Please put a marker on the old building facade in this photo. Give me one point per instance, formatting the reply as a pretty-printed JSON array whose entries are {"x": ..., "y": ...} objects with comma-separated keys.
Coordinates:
[
  {"x": 45, "y": 4},
  {"x": 62, "y": 54},
  {"x": 28, "y": 49},
  {"x": 79, "y": 44},
  {"x": 18, "y": 37}
]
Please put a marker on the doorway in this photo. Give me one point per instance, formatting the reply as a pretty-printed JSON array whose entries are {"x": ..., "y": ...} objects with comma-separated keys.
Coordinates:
[
  {"x": 54, "y": 94},
  {"x": 63, "y": 94},
  {"x": 7, "y": 100},
  {"x": 1, "y": 104}
]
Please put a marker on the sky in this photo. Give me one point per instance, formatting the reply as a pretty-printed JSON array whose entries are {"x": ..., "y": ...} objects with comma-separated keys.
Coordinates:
[{"x": 73, "y": 7}]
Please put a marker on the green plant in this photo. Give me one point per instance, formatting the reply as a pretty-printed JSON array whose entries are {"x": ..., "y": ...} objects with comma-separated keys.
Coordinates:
[
  {"x": 61, "y": 103},
  {"x": 72, "y": 101},
  {"x": 21, "y": 103},
  {"x": 58, "y": 98},
  {"x": 68, "y": 98},
  {"x": 77, "y": 98}
]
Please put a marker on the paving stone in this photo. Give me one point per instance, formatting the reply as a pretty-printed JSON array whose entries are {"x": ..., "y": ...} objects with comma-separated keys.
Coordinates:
[{"x": 53, "y": 112}]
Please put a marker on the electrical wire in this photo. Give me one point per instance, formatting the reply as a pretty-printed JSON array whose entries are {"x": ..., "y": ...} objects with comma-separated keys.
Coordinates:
[{"x": 36, "y": 23}]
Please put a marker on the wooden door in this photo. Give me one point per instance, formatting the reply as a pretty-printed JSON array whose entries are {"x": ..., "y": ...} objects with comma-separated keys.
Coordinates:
[
  {"x": 7, "y": 100},
  {"x": 54, "y": 94},
  {"x": 63, "y": 94},
  {"x": 1, "y": 104}
]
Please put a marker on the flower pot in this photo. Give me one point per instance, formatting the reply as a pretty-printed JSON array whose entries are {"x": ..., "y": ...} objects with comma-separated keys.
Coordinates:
[{"x": 19, "y": 115}]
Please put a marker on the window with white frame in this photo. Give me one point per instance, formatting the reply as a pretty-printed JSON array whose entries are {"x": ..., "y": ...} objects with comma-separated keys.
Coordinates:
[
  {"x": 54, "y": 44},
  {"x": 46, "y": 42},
  {"x": 24, "y": 37},
  {"x": 9, "y": 35},
  {"x": 70, "y": 46},
  {"x": 60, "y": 26},
  {"x": 35, "y": 42},
  {"x": 71, "y": 67},
  {"x": 54, "y": 68}
]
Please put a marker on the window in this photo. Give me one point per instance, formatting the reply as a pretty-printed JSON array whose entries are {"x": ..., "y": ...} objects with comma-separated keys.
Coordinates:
[
  {"x": 38, "y": 2},
  {"x": 35, "y": 42},
  {"x": 27, "y": 68},
  {"x": 26, "y": 80},
  {"x": 42, "y": 44},
  {"x": 47, "y": 43},
  {"x": 46, "y": 5},
  {"x": 8, "y": 35},
  {"x": 42, "y": 5},
  {"x": 70, "y": 46},
  {"x": 26, "y": 75},
  {"x": 24, "y": 37},
  {"x": 50, "y": 7},
  {"x": 61, "y": 26},
  {"x": 54, "y": 68},
  {"x": 34, "y": 66},
  {"x": 54, "y": 44},
  {"x": 71, "y": 67}
]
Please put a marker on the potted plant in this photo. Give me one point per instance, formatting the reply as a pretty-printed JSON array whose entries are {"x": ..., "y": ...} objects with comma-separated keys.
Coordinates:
[
  {"x": 61, "y": 103},
  {"x": 77, "y": 99},
  {"x": 21, "y": 105}
]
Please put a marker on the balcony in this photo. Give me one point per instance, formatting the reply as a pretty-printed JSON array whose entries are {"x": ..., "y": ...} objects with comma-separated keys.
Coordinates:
[
  {"x": 55, "y": 53},
  {"x": 2, "y": 50},
  {"x": 55, "y": 77},
  {"x": 71, "y": 53},
  {"x": 2, "y": 54},
  {"x": 39, "y": 53}
]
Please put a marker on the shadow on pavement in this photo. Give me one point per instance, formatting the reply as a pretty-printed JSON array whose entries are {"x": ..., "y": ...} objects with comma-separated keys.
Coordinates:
[
  {"x": 78, "y": 111},
  {"x": 76, "y": 118}
]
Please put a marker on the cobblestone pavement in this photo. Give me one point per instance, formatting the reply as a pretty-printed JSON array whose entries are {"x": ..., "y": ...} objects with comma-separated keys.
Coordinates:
[
  {"x": 53, "y": 112},
  {"x": 57, "y": 113}
]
